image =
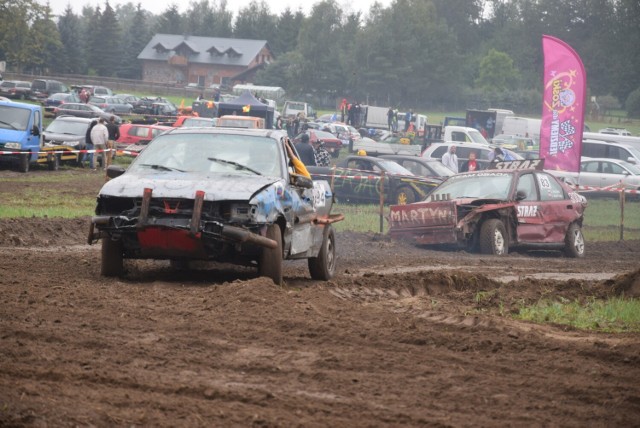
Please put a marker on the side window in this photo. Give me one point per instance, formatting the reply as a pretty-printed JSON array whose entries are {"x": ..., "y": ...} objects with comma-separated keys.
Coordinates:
[
  {"x": 550, "y": 189},
  {"x": 156, "y": 132},
  {"x": 589, "y": 167},
  {"x": 437, "y": 153},
  {"x": 462, "y": 152},
  {"x": 618, "y": 153},
  {"x": 458, "y": 136},
  {"x": 37, "y": 120},
  {"x": 616, "y": 169},
  {"x": 527, "y": 184},
  {"x": 594, "y": 150}
]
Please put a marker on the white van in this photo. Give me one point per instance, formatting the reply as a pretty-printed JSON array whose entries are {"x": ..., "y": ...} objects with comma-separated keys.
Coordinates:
[
  {"x": 292, "y": 108},
  {"x": 522, "y": 127}
]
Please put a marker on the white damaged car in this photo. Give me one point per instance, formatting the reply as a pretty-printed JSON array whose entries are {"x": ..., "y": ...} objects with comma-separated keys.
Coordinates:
[{"x": 220, "y": 194}]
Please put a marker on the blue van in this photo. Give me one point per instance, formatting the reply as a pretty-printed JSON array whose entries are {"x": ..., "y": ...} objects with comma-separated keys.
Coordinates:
[{"x": 21, "y": 135}]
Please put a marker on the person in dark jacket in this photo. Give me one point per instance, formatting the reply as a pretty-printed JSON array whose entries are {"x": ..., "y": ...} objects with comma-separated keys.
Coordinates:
[
  {"x": 114, "y": 135},
  {"x": 88, "y": 145},
  {"x": 305, "y": 150}
]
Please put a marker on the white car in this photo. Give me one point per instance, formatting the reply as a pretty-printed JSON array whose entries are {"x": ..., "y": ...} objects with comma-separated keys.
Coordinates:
[{"x": 598, "y": 176}]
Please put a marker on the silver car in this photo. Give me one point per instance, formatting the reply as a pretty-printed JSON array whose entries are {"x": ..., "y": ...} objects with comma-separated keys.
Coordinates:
[
  {"x": 603, "y": 176},
  {"x": 112, "y": 105}
]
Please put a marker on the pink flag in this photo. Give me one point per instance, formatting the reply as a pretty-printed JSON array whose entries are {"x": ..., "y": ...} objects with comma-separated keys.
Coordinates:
[{"x": 563, "y": 103}]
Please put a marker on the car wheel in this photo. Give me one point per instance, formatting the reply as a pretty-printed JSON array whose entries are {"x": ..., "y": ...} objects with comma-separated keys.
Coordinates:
[
  {"x": 24, "y": 163},
  {"x": 112, "y": 259},
  {"x": 574, "y": 242},
  {"x": 405, "y": 195},
  {"x": 493, "y": 238},
  {"x": 53, "y": 162},
  {"x": 323, "y": 267},
  {"x": 270, "y": 263}
]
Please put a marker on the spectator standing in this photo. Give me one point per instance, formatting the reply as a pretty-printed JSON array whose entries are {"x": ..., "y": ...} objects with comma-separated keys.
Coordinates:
[
  {"x": 408, "y": 116},
  {"x": 100, "y": 138},
  {"x": 390, "y": 115},
  {"x": 343, "y": 110},
  {"x": 305, "y": 150},
  {"x": 471, "y": 164},
  {"x": 323, "y": 158},
  {"x": 114, "y": 135},
  {"x": 84, "y": 96},
  {"x": 88, "y": 145},
  {"x": 450, "y": 159}
]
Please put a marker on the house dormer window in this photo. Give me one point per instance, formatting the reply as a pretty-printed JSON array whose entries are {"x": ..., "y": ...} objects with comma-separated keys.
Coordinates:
[
  {"x": 233, "y": 53},
  {"x": 160, "y": 48}
]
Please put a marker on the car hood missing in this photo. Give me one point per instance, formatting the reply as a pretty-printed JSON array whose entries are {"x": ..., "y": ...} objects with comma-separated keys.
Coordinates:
[{"x": 172, "y": 184}]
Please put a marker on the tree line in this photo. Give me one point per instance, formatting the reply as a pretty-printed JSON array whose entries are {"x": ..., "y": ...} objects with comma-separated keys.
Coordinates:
[{"x": 422, "y": 53}]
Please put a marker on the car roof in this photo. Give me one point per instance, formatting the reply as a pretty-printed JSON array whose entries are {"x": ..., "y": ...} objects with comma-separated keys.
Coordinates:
[
  {"x": 69, "y": 118},
  {"x": 259, "y": 132}
]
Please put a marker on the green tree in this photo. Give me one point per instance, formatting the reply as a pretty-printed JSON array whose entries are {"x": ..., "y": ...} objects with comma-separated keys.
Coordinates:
[
  {"x": 16, "y": 17},
  {"x": 170, "y": 21},
  {"x": 110, "y": 35},
  {"x": 136, "y": 37},
  {"x": 633, "y": 104},
  {"x": 287, "y": 29},
  {"x": 72, "y": 56},
  {"x": 199, "y": 18},
  {"x": 255, "y": 22},
  {"x": 497, "y": 73},
  {"x": 44, "y": 45}
]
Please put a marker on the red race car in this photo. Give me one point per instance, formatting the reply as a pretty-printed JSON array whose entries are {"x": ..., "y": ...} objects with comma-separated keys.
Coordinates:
[{"x": 495, "y": 209}]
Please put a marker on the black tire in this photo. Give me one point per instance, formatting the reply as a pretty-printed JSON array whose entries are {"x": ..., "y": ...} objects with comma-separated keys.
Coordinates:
[
  {"x": 493, "y": 238},
  {"x": 54, "y": 163},
  {"x": 323, "y": 267},
  {"x": 404, "y": 196},
  {"x": 270, "y": 263},
  {"x": 112, "y": 258},
  {"x": 24, "y": 163},
  {"x": 574, "y": 242}
]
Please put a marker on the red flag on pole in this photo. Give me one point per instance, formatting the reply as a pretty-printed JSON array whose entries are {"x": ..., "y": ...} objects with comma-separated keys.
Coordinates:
[{"x": 563, "y": 105}]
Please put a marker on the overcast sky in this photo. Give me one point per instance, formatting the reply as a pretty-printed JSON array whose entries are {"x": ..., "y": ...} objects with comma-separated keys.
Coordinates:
[{"x": 159, "y": 6}]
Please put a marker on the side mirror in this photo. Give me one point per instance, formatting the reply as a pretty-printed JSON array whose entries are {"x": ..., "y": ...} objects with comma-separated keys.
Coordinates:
[
  {"x": 521, "y": 195},
  {"x": 35, "y": 130},
  {"x": 114, "y": 171},
  {"x": 301, "y": 181},
  {"x": 632, "y": 160}
]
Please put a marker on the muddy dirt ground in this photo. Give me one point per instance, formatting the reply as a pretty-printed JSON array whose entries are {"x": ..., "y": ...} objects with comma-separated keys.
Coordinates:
[{"x": 401, "y": 336}]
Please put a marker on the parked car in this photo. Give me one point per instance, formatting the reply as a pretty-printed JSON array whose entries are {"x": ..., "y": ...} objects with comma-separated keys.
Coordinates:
[
  {"x": 222, "y": 194},
  {"x": 421, "y": 166},
  {"x": 111, "y": 105},
  {"x": 357, "y": 179},
  {"x": 138, "y": 135},
  {"x": 615, "y": 131},
  {"x": 42, "y": 88},
  {"x": 342, "y": 131},
  {"x": 128, "y": 98},
  {"x": 515, "y": 142},
  {"x": 332, "y": 143},
  {"x": 195, "y": 121},
  {"x": 56, "y": 99},
  {"x": 83, "y": 110},
  {"x": 599, "y": 173},
  {"x": 484, "y": 153},
  {"x": 15, "y": 89},
  {"x": 612, "y": 150},
  {"x": 145, "y": 105},
  {"x": 495, "y": 210},
  {"x": 67, "y": 131}
]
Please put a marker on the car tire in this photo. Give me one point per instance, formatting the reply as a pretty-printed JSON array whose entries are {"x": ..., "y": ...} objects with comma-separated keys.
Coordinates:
[
  {"x": 24, "y": 162},
  {"x": 112, "y": 257},
  {"x": 53, "y": 162},
  {"x": 574, "y": 241},
  {"x": 323, "y": 267},
  {"x": 493, "y": 238},
  {"x": 404, "y": 196},
  {"x": 270, "y": 263}
]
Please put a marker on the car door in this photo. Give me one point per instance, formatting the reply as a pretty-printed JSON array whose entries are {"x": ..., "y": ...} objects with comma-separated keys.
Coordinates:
[
  {"x": 590, "y": 174},
  {"x": 557, "y": 209},
  {"x": 530, "y": 226}
]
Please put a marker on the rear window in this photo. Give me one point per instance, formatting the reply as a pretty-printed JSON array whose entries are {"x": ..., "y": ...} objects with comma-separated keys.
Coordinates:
[{"x": 39, "y": 85}]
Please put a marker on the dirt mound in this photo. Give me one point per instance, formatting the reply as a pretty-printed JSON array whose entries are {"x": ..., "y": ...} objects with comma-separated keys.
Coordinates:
[
  {"x": 22, "y": 232},
  {"x": 627, "y": 284}
]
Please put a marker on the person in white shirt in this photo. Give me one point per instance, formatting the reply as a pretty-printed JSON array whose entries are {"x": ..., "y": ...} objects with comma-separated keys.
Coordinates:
[
  {"x": 100, "y": 137},
  {"x": 450, "y": 160}
]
